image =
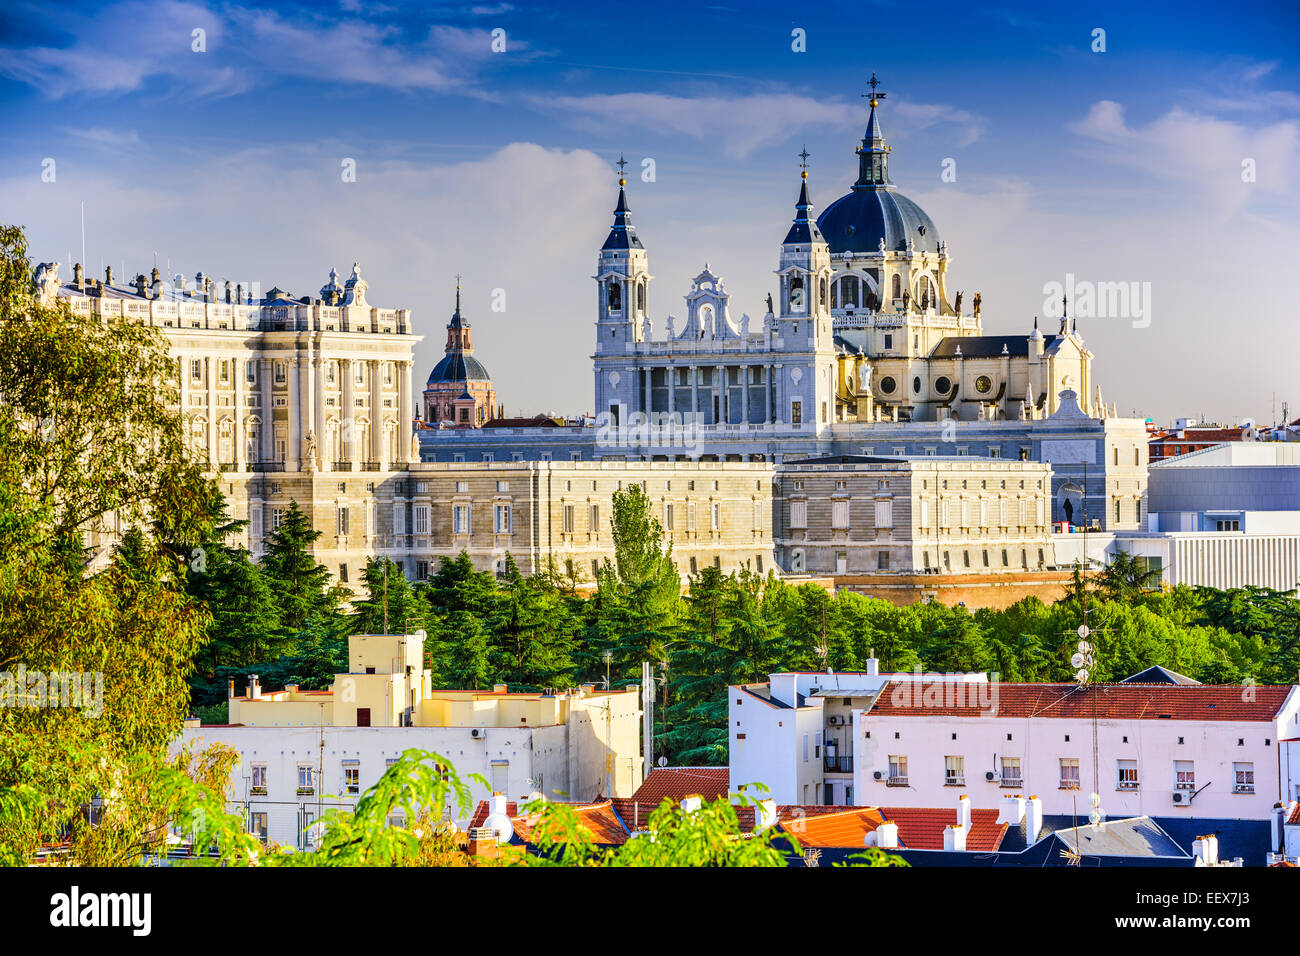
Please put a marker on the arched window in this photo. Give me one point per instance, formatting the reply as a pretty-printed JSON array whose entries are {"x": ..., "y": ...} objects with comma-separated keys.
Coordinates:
[
  {"x": 835, "y": 295},
  {"x": 796, "y": 293},
  {"x": 897, "y": 288},
  {"x": 615, "y": 297},
  {"x": 640, "y": 295},
  {"x": 849, "y": 291},
  {"x": 823, "y": 292}
]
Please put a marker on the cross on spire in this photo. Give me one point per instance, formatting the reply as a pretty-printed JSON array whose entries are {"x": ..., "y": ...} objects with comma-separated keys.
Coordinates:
[
  {"x": 620, "y": 164},
  {"x": 874, "y": 96},
  {"x": 803, "y": 156}
]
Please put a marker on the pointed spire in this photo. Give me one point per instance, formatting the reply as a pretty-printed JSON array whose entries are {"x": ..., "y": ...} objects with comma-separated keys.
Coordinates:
[
  {"x": 873, "y": 154},
  {"x": 457, "y": 321},
  {"x": 804, "y": 230},
  {"x": 623, "y": 234}
]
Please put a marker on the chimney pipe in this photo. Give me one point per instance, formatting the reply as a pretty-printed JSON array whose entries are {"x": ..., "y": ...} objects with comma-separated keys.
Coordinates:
[
  {"x": 230, "y": 695},
  {"x": 692, "y": 803},
  {"x": 498, "y": 802},
  {"x": 1033, "y": 818},
  {"x": 954, "y": 838},
  {"x": 963, "y": 811},
  {"x": 886, "y": 835},
  {"x": 765, "y": 814},
  {"x": 254, "y": 687},
  {"x": 1013, "y": 809}
]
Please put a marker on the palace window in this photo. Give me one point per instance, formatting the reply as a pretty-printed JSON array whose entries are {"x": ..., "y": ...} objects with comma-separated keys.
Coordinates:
[{"x": 461, "y": 519}]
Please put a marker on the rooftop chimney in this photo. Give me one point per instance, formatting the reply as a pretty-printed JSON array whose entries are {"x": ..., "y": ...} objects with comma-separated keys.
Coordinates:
[
  {"x": 1206, "y": 850},
  {"x": 886, "y": 835},
  {"x": 963, "y": 811},
  {"x": 873, "y": 665},
  {"x": 1013, "y": 809},
  {"x": 498, "y": 802},
  {"x": 1033, "y": 818},
  {"x": 254, "y": 687},
  {"x": 954, "y": 838},
  {"x": 498, "y": 688},
  {"x": 79, "y": 277},
  {"x": 765, "y": 814},
  {"x": 231, "y": 690},
  {"x": 692, "y": 803},
  {"x": 108, "y": 275}
]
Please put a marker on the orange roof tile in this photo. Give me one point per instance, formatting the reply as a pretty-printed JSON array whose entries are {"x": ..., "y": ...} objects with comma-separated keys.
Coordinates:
[
  {"x": 675, "y": 783},
  {"x": 1295, "y": 816},
  {"x": 599, "y": 819},
  {"x": 846, "y": 828},
  {"x": 1107, "y": 701},
  {"x": 921, "y": 828}
]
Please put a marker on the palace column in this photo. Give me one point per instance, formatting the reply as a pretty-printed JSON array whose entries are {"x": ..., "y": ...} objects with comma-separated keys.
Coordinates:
[
  {"x": 376, "y": 412},
  {"x": 237, "y": 374},
  {"x": 210, "y": 381},
  {"x": 403, "y": 450},
  {"x": 265, "y": 371},
  {"x": 293, "y": 454},
  {"x": 347, "y": 416},
  {"x": 318, "y": 375},
  {"x": 744, "y": 394}
]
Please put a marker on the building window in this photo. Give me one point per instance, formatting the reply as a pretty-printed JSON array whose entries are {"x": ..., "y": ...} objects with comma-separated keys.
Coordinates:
[
  {"x": 420, "y": 516},
  {"x": 1011, "y": 772},
  {"x": 566, "y": 525},
  {"x": 798, "y": 514},
  {"x": 342, "y": 521},
  {"x": 1069, "y": 773},
  {"x": 1127, "y": 775},
  {"x": 257, "y": 825},
  {"x": 1184, "y": 775},
  {"x": 796, "y": 413},
  {"x": 279, "y": 373},
  {"x": 840, "y": 515},
  {"x": 259, "y": 780},
  {"x": 593, "y": 519},
  {"x": 884, "y": 514},
  {"x": 461, "y": 519},
  {"x": 882, "y": 561},
  {"x": 196, "y": 370},
  {"x": 668, "y": 516},
  {"x": 250, "y": 372},
  {"x": 306, "y": 779},
  {"x": 343, "y": 573},
  {"x": 897, "y": 771},
  {"x": 351, "y": 779},
  {"x": 954, "y": 771},
  {"x": 717, "y": 516},
  {"x": 1243, "y": 778},
  {"x": 502, "y": 519}
]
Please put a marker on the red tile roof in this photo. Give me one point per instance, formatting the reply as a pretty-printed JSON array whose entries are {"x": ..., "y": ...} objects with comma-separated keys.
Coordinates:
[
  {"x": 674, "y": 783},
  {"x": 921, "y": 828},
  {"x": 847, "y": 828},
  {"x": 1204, "y": 702},
  {"x": 599, "y": 819},
  {"x": 1295, "y": 816}
]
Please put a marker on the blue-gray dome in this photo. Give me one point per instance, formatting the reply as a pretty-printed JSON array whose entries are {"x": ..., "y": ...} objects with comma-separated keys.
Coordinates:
[
  {"x": 458, "y": 367},
  {"x": 857, "y": 222}
]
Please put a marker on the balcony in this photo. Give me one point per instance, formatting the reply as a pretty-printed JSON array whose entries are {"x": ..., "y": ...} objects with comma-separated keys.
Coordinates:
[
  {"x": 1013, "y": 783},
  {"x": 306, "y": 791},
  {"x": 257, "y": 791},
  {"x": 342, "y": 466},
  {"x": 896, "y": 781},
  {"x": 841, "y": 764},
  {"x": 371, "y": 466}
]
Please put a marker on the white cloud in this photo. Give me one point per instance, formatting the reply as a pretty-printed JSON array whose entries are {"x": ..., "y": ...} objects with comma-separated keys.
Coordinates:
[
  {"x": 1203, "y": 152},
  {"x": 125, "y": 45}
]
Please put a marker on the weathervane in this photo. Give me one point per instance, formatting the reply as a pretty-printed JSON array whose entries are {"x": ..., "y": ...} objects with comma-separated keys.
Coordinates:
[
  {"x": 803, "y": 156},
  {"x": 874, "y": 96},
  {"x": 620, "y": 164}
]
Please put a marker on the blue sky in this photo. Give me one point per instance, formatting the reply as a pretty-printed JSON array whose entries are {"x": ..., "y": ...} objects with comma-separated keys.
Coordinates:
[{"x": 1122, "y": 165}]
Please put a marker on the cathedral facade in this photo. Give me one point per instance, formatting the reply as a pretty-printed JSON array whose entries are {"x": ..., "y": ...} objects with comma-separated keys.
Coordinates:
[{"x": 865, "y": 349}]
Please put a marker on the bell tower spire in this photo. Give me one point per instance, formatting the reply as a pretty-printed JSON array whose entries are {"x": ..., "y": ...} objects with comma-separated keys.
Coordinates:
[{"x": 873, "y": 154}]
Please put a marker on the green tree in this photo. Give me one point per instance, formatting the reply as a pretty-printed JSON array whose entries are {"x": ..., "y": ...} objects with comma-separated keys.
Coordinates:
[
  {"x": 302, "y": 587},
  {"x": 391, "y": 605}
]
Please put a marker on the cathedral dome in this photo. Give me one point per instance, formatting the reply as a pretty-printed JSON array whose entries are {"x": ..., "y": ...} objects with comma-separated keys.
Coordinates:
[
  {"x": 458, "y": 367},
  {"x": 859, "y": 221},
  {"x": 874, "y": 211}
]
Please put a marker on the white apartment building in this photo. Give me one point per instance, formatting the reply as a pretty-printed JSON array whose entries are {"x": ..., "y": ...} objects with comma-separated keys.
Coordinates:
[
  {"x": 1166, "y": 751},
  {"x": 301, "y": 752}
]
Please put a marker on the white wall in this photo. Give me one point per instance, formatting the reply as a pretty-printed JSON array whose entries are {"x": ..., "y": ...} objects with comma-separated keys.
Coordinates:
[
  {"x": 1212, "y": 746},
  {"x": 526, "y": 753}
]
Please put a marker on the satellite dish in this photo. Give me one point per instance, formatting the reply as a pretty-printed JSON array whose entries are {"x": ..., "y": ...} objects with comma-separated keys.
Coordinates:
[
  {"x": 1094, "y": 799},
  {"x": 1081, "y": 677},
  {"x": 662, "y": 761},
  {"x": 501, "y": 826},
  {"x": 1084, "y": 647},
  {"x": 1077, "y": 660},
  {"x": 1095, "y": 817},
  {"x": 1083, "y": 630}
]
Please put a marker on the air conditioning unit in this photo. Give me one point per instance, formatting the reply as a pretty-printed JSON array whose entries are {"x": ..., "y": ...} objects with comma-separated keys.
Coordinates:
[
  {"x": 835, "y": 720},
  {"x": 879, "y": 775},
  {"x": 478, "y": 732},
  {"x": 813, "y": 691},
  {"x": 990, "y": 776},
  {"x": 1180, "y": 796}
]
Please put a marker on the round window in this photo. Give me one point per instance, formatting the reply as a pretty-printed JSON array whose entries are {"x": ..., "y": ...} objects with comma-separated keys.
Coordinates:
[
  {"x": 942, "y": 385},
  {"x": 849, "y": 230},
  {"x": 887, "y": 385},
  {"x": 916, "y": 385},
  {"x": 983, "y": 384}
]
